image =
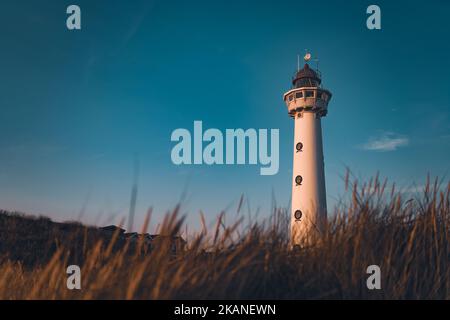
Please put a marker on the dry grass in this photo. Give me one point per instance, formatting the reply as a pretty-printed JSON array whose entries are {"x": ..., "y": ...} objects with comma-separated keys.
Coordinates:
[{"x": 409, "y": 240}]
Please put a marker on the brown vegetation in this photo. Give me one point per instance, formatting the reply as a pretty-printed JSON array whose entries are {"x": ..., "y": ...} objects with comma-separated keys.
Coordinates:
[{"x": 407, "y": 238}]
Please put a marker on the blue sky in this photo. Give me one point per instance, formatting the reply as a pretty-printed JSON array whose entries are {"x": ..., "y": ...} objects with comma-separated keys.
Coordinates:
[{"x": 76, "y": 106}]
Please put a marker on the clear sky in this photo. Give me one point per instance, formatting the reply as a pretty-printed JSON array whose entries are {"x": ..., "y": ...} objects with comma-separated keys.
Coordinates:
[{"x": 76, "y": 106}]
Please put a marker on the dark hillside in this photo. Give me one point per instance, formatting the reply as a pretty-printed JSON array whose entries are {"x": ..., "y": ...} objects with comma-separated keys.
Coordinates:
[{"x": 34, "y": 240}]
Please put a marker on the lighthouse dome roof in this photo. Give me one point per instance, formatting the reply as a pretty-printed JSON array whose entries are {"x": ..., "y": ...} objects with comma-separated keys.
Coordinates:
[{"x": 306, "y": 77}]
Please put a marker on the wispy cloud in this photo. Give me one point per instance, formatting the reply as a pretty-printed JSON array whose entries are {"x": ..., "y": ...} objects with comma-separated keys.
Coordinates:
[
  {"x": 386, "y": 141},
  {"x": 137, "y": 22}
]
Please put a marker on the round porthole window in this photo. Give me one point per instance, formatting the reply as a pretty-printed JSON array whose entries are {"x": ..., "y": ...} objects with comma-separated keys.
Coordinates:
[
  {"x": 298, "y": 215},
  {"x": 299, "y": 146},
  {"x": 298, "y": 180}
]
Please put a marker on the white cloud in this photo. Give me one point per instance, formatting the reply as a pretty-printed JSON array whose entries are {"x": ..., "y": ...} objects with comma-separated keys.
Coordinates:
[{"x": 386, "y": 141}]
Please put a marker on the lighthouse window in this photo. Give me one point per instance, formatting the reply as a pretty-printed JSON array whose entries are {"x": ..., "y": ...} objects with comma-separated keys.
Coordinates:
[
  {"x": 298, "y": 180},
  {"x": 309, "y": 94},
  {"x": 299, "y": 146},
  {"x": 298, "y": 215},
  {"x": 290, "y": 97},
  {"x": 299, "y": 95}
]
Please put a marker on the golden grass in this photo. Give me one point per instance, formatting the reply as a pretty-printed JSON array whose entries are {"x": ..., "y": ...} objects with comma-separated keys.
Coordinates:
[{"x": 408, "y": 239}]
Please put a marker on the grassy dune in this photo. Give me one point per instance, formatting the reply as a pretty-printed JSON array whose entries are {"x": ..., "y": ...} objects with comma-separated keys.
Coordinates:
[{"x": 407, "y": 237}]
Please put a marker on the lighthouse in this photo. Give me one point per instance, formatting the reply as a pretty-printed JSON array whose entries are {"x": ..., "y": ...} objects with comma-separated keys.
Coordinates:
[{"x": 307, "y": 103}]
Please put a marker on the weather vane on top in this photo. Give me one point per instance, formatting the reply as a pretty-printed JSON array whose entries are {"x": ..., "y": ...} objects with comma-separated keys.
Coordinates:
[{"x": 307, "y": 57}]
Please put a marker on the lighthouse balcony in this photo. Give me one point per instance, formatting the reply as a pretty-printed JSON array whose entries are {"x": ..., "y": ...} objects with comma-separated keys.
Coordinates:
[{"x": 311, "y": 99}]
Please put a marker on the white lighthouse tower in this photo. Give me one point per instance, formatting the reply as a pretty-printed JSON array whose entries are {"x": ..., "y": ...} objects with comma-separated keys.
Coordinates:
[{"x": 307, "y": 103}]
